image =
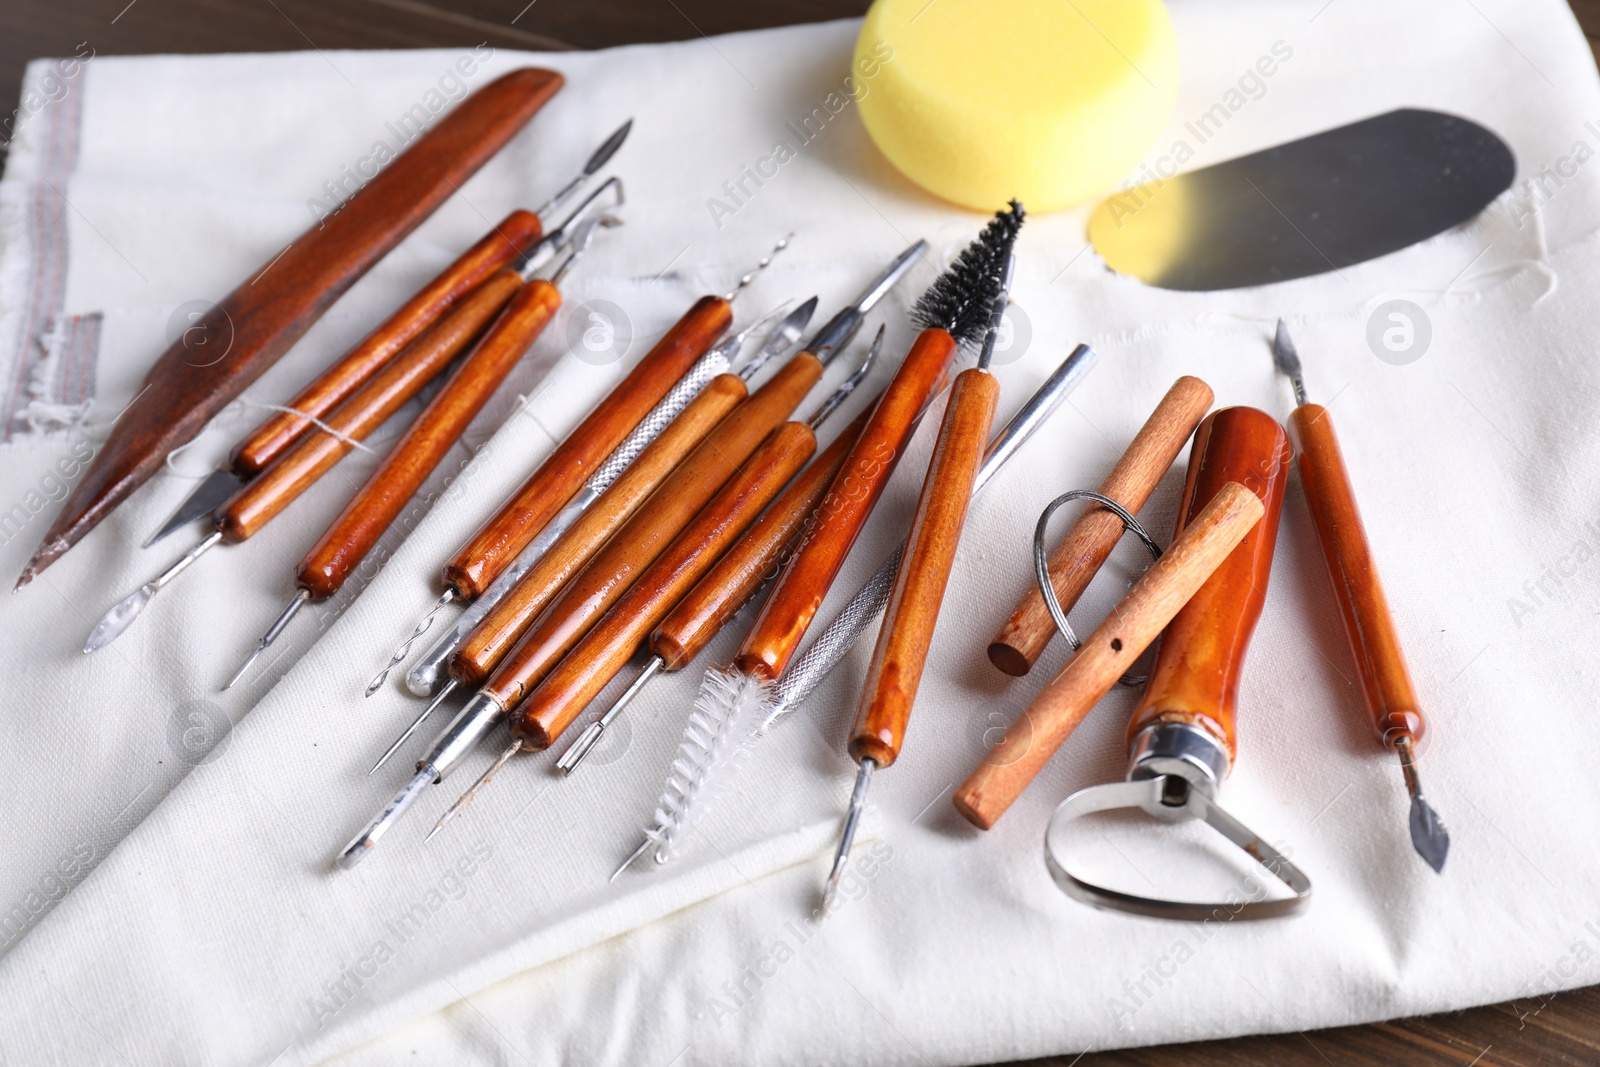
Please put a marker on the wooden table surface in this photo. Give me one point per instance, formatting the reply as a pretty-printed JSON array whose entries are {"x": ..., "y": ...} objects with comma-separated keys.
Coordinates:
[{"x": 1544, "y": 1031}]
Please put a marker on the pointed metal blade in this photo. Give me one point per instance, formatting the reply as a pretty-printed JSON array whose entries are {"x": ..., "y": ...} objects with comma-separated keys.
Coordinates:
[
  {"x": 209, "y": 495},
  {"x": 1284, "y": 354},
  {"x": 603, "y": 154},
  {"x": 1428, "y": 835}
]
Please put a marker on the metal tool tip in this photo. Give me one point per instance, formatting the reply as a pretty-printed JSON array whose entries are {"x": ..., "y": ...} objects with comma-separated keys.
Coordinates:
[
  {"x": 245, "y": 666},
  {"x": 632, "y": 858},
  {"x": 368, "y": 838},
  {"x": 1428, "y": 835}
]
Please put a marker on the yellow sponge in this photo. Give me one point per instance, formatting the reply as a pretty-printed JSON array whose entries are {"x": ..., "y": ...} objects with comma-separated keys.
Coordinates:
[{"x": 1049, "y": 101}]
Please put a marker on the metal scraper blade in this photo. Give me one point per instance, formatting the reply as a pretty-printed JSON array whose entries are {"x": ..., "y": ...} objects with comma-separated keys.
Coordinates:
[
  {"x": 1322, "y": 203},
  {"x": 206, "y": 498}
]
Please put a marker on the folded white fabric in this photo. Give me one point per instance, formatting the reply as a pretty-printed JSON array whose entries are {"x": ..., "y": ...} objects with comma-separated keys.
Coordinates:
[{"x": 166, "y": 894}]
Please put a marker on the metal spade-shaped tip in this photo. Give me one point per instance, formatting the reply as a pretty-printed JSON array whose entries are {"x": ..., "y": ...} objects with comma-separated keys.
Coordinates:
[
  {"x": 122, "y": 613},
  {"x": 1428, "y": 835}
]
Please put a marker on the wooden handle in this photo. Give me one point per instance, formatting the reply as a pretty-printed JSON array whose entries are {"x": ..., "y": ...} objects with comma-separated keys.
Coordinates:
[
  {"x": 490, "y": 550},
  {"x": 524, "y": 602},
  {"x": 426, "y": 441},
  {"x": 833, "y": 529},
  {"x": 500, "y": 247},
  {"x": 930, "y": 554},
  {"x": 1392, "y": 706},
  {"x": 606, "y": 649},
  {"x": 1081, "y": 554},
  {"x": 1113, "y": 647},
  {"x": 753, "y": 560},
  {"x": 259, "y": 321},
  {"x": 1195, "y": 679},
  {"x": 653, "y": 527},
  {"x": 256, "y": 503}
]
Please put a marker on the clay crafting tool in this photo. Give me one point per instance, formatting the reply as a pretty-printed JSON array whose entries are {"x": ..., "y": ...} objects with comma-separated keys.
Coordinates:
[
  {"x": 607, "y": 576},
  {"x": 1183, "y": 738},
  {"x": 634, "y": 549},
  {"x": 720, "y": 731},
  {"x": 721, "y": 524},
  {"x": 495, "y": 546},
  {"x": 262, "y": 499},
  {"x": 895, "y": 672},
  {"x": 260, "y": 320},
  {"x": 512, "y": 241},
  {"x": 1323, "y": 203},
  {"x": 572, "y": 538},
  {"x": 330, "y": 562},
  {"x": 1075, "y": 561},
  {"x": 1393, "y": 710},
  {"x": 1237, "y": 468}
]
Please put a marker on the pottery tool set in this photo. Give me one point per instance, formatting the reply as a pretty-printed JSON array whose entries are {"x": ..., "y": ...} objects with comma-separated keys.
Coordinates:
[{"x": 699, "y": 486}]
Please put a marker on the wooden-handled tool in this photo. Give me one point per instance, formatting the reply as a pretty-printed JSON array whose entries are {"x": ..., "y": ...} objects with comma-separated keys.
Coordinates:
[
  {"x": 515, "y": 239},
  {"x": 1393, "y": 710},
  {"x": 1236, "y": 476},
  {"x": 733, "y": 581},
  {"x": 1183, "y": 737},
  {"x": 252, "y": 506},
  {"x": 606, "y": 649},
  {"x": 1079, "y": 556},
  {"x": 635, "y": 547},
  {"x": 271, "y": 310},
  {"x": 331, "y": 561},
  {"x": 718, "y": 732},
  {"x": 895, "y": 672},
  {"x": 484, "y": 712}
]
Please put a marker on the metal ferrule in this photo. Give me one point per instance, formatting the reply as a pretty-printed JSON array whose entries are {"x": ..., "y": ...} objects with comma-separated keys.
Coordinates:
[
  {"x": 471, "y": 725},
  {"x": 1181, "y": 751}
]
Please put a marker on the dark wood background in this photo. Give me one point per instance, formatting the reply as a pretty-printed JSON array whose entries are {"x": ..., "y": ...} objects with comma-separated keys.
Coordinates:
[{"x": 1545, "y": 1031}]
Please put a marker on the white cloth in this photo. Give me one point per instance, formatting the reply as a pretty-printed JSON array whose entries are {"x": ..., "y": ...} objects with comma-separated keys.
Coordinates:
[{"x": 177, "y": 913}]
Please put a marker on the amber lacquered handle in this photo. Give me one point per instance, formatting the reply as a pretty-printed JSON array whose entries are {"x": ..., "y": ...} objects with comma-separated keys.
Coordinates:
[
  {"x": 1392, "y": 706},
  {"x": 524, "y": 602},
  {"x": 930, "y": 554},
  {"x": 258, "y": 501},
  {"x": 1195, "y": 680},
  {"x": 1203, "y": 546},
  {"x": 833, "y": 529},
  {"x": 653, "y": 527},
  {"x": 489, "y": 551},
  {"x": 606, "y": 649},
  {"x": 500, "y": 247},
  {"x": 426, "y": 441},
  {"x": 1080, "y": 555},
  {"x": 753, "y": 560}
]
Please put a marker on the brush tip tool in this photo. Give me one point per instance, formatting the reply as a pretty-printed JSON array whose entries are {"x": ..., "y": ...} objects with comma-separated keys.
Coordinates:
[
  {"x": 1428, "y": 835},
  {"x": 961, "y": 301},
  {"x": 847, "y": 836}
]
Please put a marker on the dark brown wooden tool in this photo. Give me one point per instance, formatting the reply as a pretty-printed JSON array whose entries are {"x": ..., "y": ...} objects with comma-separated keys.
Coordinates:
[
  {"x": 1237, "y": 469},
  {"x": 510, "y": 618},
  {"x": 387, "y": 491},
  {"x": 489, "y": 551},
  {"x": 653, "y": 527},
  {"x": 259, "y": 321},
  {"x": 605, "y": 650},
  {"x": 385, "y": 393},
  {"x": 1080, "y": 555},
  {"x": 514, "y": 236},
  {"x": 913, "y": 608},
  {"x": 1393, "y": 710},
  {"x": 837, "y": 522},
  {"x": 752, "y": 561}
]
